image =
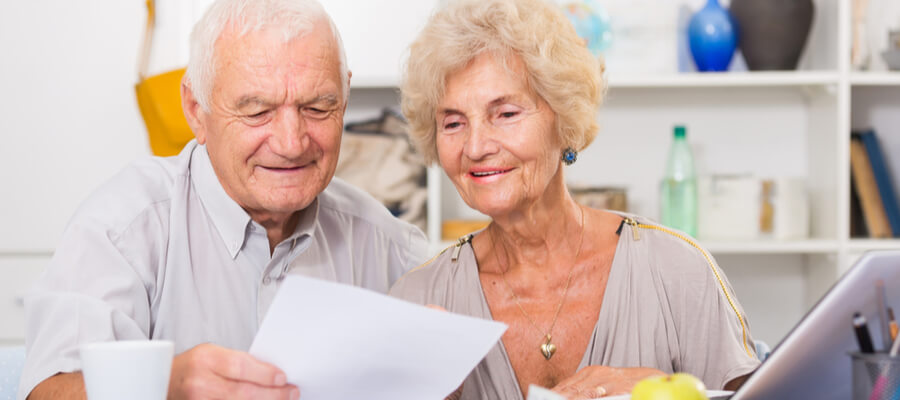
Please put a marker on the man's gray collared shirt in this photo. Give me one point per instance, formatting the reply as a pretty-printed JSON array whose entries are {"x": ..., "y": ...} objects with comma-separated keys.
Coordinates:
[{"x": 161, "y": 251}]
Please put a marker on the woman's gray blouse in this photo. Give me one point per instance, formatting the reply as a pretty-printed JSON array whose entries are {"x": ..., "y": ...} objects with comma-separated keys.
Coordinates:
[{"x": 667, "y": 306}]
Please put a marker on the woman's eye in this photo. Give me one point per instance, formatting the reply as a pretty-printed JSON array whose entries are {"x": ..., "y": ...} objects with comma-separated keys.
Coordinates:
[
  {"x": 452, "y": 123},
  {"x": 509, "y": 114}
]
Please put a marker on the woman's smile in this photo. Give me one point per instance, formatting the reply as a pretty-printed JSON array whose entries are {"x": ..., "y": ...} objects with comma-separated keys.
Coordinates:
[{"x": 488, "y": 174}]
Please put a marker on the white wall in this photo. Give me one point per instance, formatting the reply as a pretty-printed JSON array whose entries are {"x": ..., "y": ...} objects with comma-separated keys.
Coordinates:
[
  {"x": 68, "y": 114},
  {"x": 68, "y": 120}
]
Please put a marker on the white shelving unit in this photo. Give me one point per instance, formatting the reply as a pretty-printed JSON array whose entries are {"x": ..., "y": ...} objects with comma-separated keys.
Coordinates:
[{"x": 769, "y": 124}]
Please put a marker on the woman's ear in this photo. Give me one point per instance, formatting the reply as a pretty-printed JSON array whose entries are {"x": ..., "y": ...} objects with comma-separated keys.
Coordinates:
[{"x": 192, "y": 111}]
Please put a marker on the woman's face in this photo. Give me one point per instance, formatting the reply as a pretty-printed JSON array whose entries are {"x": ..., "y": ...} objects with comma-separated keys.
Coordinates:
[{"x": 496, "y": 138}]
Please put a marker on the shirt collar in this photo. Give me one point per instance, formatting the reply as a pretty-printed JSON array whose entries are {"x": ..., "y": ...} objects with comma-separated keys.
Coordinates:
[{"x": 227, "y": 215}]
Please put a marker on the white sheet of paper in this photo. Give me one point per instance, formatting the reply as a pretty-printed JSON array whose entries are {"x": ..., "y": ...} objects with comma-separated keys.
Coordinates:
[
  {"x": 536, "y": 392},
  {"x": 339, "y": 342}
]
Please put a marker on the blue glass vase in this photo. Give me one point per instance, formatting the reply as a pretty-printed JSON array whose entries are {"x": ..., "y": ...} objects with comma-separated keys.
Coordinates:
[{"x": 713, "y": 36}]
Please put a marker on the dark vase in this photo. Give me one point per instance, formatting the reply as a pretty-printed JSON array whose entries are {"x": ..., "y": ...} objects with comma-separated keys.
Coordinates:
[
  {"x": 713, "y": 36},
  {"x": 773, "y": 32}
]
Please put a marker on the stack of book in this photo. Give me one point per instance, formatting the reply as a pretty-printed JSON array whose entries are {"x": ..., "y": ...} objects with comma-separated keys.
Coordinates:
[{"x": 874, "y": 210}]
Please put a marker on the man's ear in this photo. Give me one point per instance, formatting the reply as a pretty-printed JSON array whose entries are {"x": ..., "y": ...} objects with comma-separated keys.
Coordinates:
[
  {"x": 347, "y": 95},
  {"x": 192, "y": 110}
]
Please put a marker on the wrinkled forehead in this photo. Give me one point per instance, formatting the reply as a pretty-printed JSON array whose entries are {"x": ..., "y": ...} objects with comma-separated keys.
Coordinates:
[
  {"x": 268, "y": 51},
  {"x": 506, "y": 66},
  {"x": 316, "y": 35}
]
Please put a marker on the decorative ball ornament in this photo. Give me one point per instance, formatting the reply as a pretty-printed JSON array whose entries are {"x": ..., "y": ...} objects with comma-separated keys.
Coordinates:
[{"x": 591, "y": 23}]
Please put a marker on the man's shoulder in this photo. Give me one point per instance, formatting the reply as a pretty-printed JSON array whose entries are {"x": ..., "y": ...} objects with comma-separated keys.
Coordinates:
[
  {"x": 347, "y": 201},
  {"x": 147, "y": 183}
]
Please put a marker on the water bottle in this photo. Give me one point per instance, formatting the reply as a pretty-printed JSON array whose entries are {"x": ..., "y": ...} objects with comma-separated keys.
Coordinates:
[{"x": 679, "y": 187}]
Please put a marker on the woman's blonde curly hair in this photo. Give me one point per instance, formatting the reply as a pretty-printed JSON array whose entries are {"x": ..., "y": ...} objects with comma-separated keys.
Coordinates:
[{"x": 560, "y": 69}]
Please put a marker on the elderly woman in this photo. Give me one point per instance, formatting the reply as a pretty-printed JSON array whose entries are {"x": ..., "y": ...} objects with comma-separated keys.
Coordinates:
[{"x": 503, "y": 94}]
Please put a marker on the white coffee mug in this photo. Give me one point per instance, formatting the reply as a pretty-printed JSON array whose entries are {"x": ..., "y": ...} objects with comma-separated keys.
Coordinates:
[{"x": 137, "y": 369}]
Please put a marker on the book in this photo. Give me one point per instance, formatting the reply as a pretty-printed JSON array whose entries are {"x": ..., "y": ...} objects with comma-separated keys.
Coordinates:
[
  {"x": 858, "y": 227},
  {"x": 883, "y": 180},
  {"x": 867, "y": 190}
]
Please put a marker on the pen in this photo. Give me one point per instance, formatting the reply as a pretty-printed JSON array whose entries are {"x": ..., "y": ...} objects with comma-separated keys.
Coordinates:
[
  {"x": 862, "y": 333},
  {"x": 881, "y": 384},
  {"x": 893, "y": 324},
  {"x": 881, "y": 299}
]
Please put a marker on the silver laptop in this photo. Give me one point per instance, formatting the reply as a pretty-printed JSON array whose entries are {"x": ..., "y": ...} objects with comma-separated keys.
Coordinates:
[{"x": 812, "y": 362}]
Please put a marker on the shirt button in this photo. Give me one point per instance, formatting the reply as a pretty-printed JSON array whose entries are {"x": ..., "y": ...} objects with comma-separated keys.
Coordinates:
[{"x": 267, "y": 280}]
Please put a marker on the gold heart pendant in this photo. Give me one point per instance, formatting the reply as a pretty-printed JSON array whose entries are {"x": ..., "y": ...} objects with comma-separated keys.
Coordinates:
[{"x": 547, "y": 349}]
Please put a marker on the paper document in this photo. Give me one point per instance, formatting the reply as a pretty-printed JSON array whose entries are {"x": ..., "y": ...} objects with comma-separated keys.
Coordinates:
[{"x": 339, "y": 342}]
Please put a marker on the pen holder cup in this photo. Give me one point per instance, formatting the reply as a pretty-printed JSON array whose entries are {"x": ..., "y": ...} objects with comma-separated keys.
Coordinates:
[{"x": 876, "y": 376}]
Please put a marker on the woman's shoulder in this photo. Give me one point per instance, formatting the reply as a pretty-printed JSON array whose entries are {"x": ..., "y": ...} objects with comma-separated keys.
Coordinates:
[
  {"x": 665, "y": 248},
  {"x": 437, "y": 277}
]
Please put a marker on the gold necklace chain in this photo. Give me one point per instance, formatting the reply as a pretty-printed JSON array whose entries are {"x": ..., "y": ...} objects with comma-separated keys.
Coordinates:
[{"x": 547, "y": 347}]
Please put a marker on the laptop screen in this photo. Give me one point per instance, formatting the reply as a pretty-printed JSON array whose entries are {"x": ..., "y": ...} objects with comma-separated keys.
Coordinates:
[{"x": 813, "y": 360}]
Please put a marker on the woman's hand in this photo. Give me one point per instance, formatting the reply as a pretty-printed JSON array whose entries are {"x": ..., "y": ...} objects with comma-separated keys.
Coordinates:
[{"x": 598, "y": 381}]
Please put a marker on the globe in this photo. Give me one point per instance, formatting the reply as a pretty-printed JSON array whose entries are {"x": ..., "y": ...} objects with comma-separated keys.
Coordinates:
[{"x": 591, "y": 24}]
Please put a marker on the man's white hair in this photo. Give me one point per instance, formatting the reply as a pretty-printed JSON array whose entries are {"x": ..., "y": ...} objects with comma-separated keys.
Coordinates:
[{"x": 294, "y": 18}]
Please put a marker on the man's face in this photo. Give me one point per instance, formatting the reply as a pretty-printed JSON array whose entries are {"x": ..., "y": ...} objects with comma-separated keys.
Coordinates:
[{"x": 273, "y": 130}]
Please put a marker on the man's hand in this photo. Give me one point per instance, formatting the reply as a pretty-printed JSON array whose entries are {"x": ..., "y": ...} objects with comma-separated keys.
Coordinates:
[
  {"x": 598, "y": 381},
  {"x": 212, "y": 372}
]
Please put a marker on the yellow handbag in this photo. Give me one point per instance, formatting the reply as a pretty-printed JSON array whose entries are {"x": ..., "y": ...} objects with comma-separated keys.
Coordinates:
[{"x": 159, "y": 99}]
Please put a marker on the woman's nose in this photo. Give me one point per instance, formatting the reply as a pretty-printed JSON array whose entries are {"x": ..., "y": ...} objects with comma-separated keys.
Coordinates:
[{"x": 480, "y": 141}]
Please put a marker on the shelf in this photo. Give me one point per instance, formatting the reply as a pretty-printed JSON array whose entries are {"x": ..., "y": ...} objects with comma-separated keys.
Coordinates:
[
  {"x": 696, "y": 80},
  {"x": 374, "y": 82},
  {"x": 874, "y": 244},
  {"x": 875, "y": 79},
  {"x": 725, "y": 80},
  {"x": 810, "y": 246}
]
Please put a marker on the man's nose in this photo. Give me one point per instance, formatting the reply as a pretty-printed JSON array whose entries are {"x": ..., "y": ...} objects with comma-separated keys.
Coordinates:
[
  {"x": 289, "y": 137},
  {"x": 480, "y": 141}
]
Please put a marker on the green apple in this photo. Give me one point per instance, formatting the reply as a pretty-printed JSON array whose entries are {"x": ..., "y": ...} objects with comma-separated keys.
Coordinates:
[{"x": 680, "y": 386}]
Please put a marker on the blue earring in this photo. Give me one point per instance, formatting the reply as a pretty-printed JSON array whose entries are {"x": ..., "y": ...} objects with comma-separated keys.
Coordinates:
[{"x": 569, "y": 156}]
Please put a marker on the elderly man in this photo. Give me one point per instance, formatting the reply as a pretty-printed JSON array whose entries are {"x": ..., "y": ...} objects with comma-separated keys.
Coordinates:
[{"x": 191, "y": 248}]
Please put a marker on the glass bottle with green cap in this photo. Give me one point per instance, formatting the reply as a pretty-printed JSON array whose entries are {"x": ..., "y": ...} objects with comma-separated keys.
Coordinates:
[{"x": 679, "y": 187}]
